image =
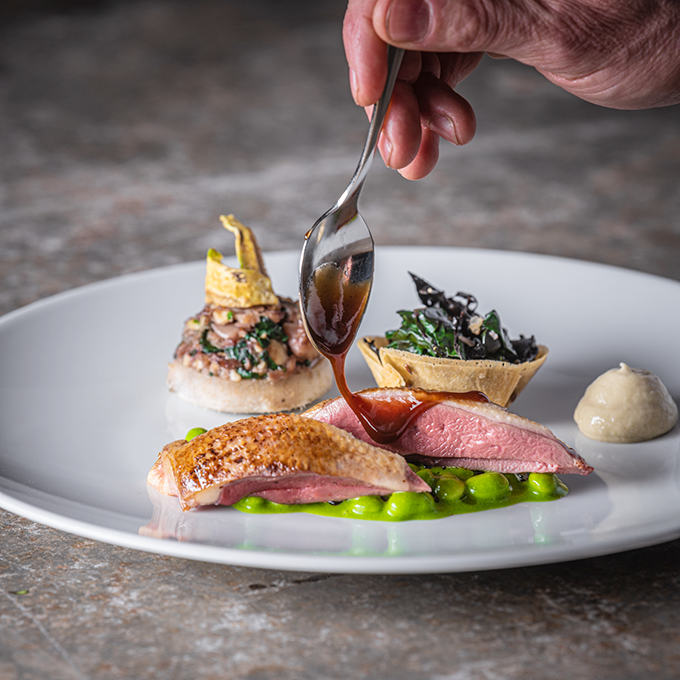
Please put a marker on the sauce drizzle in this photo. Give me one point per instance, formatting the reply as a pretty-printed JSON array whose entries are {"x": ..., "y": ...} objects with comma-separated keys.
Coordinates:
[{"x": 335, "y": 306}]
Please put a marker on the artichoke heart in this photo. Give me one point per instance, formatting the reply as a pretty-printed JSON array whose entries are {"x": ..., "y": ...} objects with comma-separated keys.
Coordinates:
[{"x": 247, "y": 286}]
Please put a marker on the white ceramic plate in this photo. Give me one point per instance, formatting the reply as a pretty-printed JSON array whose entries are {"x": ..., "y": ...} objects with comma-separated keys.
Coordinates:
[{"x": 85, "y": 411}]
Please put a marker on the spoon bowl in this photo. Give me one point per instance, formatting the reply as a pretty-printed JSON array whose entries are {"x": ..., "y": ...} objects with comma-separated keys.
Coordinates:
[{"x": 337, "y": 263}]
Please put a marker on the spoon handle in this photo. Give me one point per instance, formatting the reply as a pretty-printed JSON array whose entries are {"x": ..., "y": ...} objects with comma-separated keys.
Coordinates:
[{"x": 394, "y": 57}]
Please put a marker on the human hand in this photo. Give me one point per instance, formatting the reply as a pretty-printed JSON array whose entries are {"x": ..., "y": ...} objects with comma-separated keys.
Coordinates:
[{"x": 617, "y": 53}]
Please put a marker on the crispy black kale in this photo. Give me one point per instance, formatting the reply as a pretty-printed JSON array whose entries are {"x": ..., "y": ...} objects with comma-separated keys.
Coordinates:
[{"x": 450, "y": 327}]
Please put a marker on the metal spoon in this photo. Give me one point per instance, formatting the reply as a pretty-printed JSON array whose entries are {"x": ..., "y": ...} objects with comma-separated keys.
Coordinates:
[{"x": 337, "y": 256}]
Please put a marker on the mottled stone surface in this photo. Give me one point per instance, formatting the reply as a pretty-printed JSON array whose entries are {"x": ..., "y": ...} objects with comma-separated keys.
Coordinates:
[
  {"x": 126, "y": 128},
  {"x": 97, "y": 611}
]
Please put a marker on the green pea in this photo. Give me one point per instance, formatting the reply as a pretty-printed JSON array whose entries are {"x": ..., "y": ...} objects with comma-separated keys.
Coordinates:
[
  {"x": 449, "y": 488},
  {"x": 489, "y": 486},
  {"x": 461, "y": 473},
  {"x": 436, "y": 470},
  {"x": 415, "y": 467},
  {"x": 427, "y": 476},
  {"x": 409, "y": 504},
  {"x": 545, "y": 483},
  {"x": 365, "y": 505},
  {"x": 194, "y": 432}
]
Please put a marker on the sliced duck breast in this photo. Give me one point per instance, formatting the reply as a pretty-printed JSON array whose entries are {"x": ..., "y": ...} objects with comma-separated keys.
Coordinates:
[
  {"x": 460, "y": 432},
  {"x": 283, "y": 457}
]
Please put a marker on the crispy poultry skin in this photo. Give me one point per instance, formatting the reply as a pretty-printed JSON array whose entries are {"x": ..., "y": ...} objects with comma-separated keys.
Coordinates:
[{"x": 283, "y": 457}]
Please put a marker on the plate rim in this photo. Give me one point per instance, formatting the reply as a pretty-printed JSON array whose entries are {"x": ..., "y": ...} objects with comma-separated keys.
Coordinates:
[
  {"x": 157, "y": 271},
  {"x": 337, "y": 564}
]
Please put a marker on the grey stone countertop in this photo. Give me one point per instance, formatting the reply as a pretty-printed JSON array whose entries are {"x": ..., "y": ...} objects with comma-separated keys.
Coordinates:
[{"x": 126, "y": 128}]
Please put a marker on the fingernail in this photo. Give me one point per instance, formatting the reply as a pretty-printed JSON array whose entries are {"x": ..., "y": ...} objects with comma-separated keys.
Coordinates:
[
  {"x": 385, "y": 146},
  {"x": 354, "y": 85},
  {"x": 444, "y": 127},
  {"x": 408, "y": 20}
]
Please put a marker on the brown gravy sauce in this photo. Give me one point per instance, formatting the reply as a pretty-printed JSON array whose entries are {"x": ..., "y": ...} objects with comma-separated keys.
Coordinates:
[{"x": 335, "y": 306}]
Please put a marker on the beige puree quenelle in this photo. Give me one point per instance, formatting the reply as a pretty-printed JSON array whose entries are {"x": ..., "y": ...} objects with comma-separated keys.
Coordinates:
[{"x": 626, "y": 405}]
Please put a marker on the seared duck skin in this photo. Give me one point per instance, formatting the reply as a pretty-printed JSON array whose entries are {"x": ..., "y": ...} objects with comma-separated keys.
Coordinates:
[
  {"x": 459, "y": 432},
  {"x": 281, "y": 457}
]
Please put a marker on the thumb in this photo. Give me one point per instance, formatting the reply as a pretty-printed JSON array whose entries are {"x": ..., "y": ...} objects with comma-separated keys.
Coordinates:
[{"x": 453, "y": 25}]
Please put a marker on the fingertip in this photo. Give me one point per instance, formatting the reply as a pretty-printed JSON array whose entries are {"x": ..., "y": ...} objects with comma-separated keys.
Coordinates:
[
  {"x": 366, "y": 55},
  {"x": 385, "y": 147},
  {"x": 463, "y": 123},
  {"x": 426, "y": 158},
  {"x": 354, "y": 86},
  {"x": 401, "y": 137},
  {"x": 406, "y": 21},
  {"x": 444, "y": 111},
  {"x": 442, "y": 125}
]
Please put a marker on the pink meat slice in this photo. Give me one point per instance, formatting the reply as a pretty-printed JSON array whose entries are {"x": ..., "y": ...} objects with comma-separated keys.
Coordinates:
[
  {"x": 303, "y": 488},
  {"x": 464, "y": 433}
]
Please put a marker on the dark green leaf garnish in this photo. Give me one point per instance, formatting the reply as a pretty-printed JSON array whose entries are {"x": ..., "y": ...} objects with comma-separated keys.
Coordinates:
[
  {"x": 448, "y": 327},
  {"x": 248, "y": 375},
  {"x": 206, "y": 345},
  {"x": 264, "y": 331},
  {"x": 248, "y": 361}
]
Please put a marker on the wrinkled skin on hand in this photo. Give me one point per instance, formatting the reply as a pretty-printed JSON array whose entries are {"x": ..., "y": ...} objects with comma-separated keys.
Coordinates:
[{"x": 621, "y": 54}]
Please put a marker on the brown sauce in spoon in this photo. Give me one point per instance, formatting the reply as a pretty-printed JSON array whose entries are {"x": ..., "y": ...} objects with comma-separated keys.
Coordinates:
[{"x": 335, "y": 305}]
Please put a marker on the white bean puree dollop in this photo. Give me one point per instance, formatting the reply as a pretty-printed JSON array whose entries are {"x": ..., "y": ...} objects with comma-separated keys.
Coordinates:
[{"x": 626, "y": 405}]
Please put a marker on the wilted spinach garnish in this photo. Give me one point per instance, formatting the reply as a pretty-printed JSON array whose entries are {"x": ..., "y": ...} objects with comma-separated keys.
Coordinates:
[
  {"x": 449, "y": 327},
  {"x": 206, "y": 345},
  {"x": 264, "y": 331}
]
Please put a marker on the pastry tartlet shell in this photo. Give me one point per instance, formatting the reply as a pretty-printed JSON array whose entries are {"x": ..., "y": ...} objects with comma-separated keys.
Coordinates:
[{"x": 500, "y": 381}]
